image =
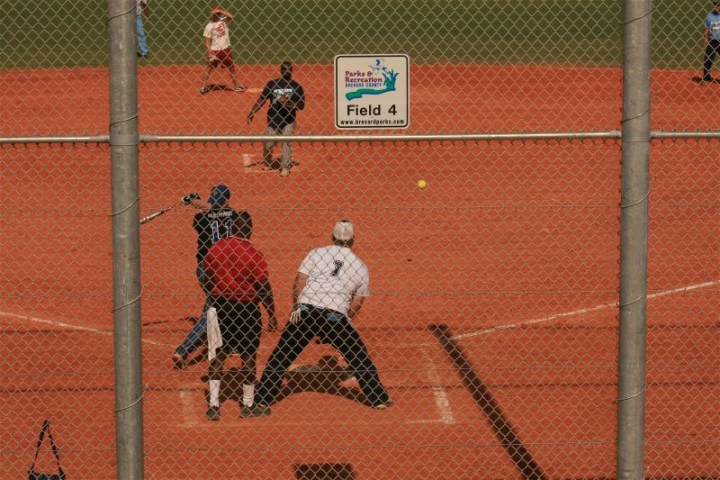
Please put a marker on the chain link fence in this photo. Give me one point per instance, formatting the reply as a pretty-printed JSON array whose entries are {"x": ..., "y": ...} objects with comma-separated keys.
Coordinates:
[{"x": 493, "y": 314}]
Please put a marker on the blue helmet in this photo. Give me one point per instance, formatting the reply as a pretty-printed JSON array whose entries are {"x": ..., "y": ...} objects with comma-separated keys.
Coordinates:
[{"x": 219, "y": 195}]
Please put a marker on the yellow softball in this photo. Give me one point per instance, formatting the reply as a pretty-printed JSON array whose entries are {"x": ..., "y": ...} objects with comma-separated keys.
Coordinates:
[{"x": 422, "y": 184}]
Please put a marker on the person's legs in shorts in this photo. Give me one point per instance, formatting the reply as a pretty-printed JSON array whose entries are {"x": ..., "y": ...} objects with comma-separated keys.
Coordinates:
[
  {"x": 215, "y": 372},
  {"x": 229, "y": 64},
  {"x": 286, "y": 148},
  {"x": 230, "y": 325},
  {"x": 248, "y": 317},
  {"x": 268, "y": 148}
]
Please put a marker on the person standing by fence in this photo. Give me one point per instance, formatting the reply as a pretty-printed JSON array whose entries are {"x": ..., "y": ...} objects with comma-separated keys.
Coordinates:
[
  {"x": 142, "y": 13},
  {"x": 711, "y": 42}
]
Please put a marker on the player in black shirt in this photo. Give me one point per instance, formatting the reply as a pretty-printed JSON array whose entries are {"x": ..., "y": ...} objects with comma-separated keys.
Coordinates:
[
  {"x": 211, "y": 224},
  {"x": 286, "y": 97}
]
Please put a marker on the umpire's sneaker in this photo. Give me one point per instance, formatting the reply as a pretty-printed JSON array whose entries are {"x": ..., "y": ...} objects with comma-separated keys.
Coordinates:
[
  {"x": 383, "y": 406},
  {"x": 213, "y": 414},
  {"x": 284, "y": 172},
  {"x": 256, "y": 410},
  {"x": 178, "y": 361}
]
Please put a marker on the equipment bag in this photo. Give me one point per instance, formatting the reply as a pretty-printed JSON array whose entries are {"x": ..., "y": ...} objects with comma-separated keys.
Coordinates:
[{"x": 32, "y": 474}]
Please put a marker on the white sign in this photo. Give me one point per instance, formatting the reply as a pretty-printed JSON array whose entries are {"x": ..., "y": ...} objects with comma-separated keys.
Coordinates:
[{"x": 372, "y": 91}]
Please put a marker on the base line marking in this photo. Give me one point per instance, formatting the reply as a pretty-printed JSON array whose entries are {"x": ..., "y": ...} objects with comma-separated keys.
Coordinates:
[
  {"x": 442, "y": 402},
  {"x": 188, "y": 410},
  {"x": 578, "y": 312},
  {"x": 69, "y": 326}
]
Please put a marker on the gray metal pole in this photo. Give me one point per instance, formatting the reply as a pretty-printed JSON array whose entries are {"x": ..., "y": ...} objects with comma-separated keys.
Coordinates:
[
  {"x": 634, "y": 239},
  {"x": 126, "y": 240}
]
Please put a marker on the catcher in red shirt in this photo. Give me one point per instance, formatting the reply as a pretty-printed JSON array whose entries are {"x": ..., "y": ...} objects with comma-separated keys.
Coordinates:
[{"x": 238, "y": 280}]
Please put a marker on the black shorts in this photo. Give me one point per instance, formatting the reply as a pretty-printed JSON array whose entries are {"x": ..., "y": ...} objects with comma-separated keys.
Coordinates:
[{"x": 240, "y": 325}]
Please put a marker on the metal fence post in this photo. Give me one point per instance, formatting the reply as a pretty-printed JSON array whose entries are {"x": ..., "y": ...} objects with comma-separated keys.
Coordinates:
[
  {"x": 634, "y": 239},
  {"x": 126, "y": 240}
]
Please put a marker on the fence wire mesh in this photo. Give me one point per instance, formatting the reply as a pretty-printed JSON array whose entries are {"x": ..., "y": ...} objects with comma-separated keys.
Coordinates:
[{"x": 493, "y": 316}]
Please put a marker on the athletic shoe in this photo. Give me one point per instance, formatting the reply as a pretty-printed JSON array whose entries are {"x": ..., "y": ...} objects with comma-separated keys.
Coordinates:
[
  {"x": 241, "y": 88},
  {"x": 347, "y": 375},
  {"x": 256, "y": 410},
  {"x": 204, "y": 90},
  {"x": 349, "y": 380},
  {"x": 213, "y": 414},
  {"x": 178, "y": 361},
  {"x": 383, "y": 406},
  {"x": 284, "y": 172}
]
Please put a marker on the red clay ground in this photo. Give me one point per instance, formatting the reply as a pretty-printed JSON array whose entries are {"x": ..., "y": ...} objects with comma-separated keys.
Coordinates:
[{"x": 512, "y": 245}]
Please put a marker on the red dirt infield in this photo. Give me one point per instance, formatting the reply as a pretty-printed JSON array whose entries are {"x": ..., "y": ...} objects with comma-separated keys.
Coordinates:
[{"x": 513, "y": 246}]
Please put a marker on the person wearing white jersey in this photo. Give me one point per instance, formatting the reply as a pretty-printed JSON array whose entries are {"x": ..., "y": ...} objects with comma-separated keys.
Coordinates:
[
  {"x": 216, "y": 37},
  {"x": 330, "y": 288}
]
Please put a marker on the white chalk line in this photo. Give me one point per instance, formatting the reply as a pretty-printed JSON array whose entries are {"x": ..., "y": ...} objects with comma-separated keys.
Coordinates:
[
  {"x": 99, "y": 331},
  {"x": 189, "y": 409},
  {"x": 189, "y": 413},
  {"x": 581, "y": 311},
  {"x": 69, "y": 326},
  {"x": 442, "y": 402},
  {"x": 486, "y": 331}
]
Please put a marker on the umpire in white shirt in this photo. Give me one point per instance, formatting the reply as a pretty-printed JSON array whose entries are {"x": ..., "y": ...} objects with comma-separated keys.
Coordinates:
[{"x": 329, "y": 290}]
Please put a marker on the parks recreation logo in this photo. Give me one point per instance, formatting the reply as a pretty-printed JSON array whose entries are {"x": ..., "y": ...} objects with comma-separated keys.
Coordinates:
[
  {"x": 378, "y": 79},
  {"x": 372, "y": 91}
]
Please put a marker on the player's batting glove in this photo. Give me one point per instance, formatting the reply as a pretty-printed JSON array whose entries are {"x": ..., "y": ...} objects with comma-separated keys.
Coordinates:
[
  {"x": 296, "y": 314},
  {"x": 188, "y": 199}
]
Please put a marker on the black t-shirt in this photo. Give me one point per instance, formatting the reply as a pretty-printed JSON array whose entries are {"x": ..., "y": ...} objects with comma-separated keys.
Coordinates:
[
  {"x": 211, "y": 226},
  {"x": 277, "y": 115}
]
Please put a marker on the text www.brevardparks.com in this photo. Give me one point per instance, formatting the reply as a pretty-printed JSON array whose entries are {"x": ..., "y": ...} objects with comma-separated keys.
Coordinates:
[{"x": 378, "y": 121}]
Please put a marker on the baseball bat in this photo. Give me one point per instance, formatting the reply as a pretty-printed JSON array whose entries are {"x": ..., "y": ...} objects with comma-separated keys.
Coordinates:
[{"x": 154, "y": 215}]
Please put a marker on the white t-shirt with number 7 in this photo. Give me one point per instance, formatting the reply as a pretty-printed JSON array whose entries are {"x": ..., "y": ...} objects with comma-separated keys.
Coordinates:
[{"x": 335, "y": 274}]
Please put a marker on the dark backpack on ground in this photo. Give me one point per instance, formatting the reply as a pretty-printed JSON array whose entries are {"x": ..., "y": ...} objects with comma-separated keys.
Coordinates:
[{"x": 32, "y": 474}]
